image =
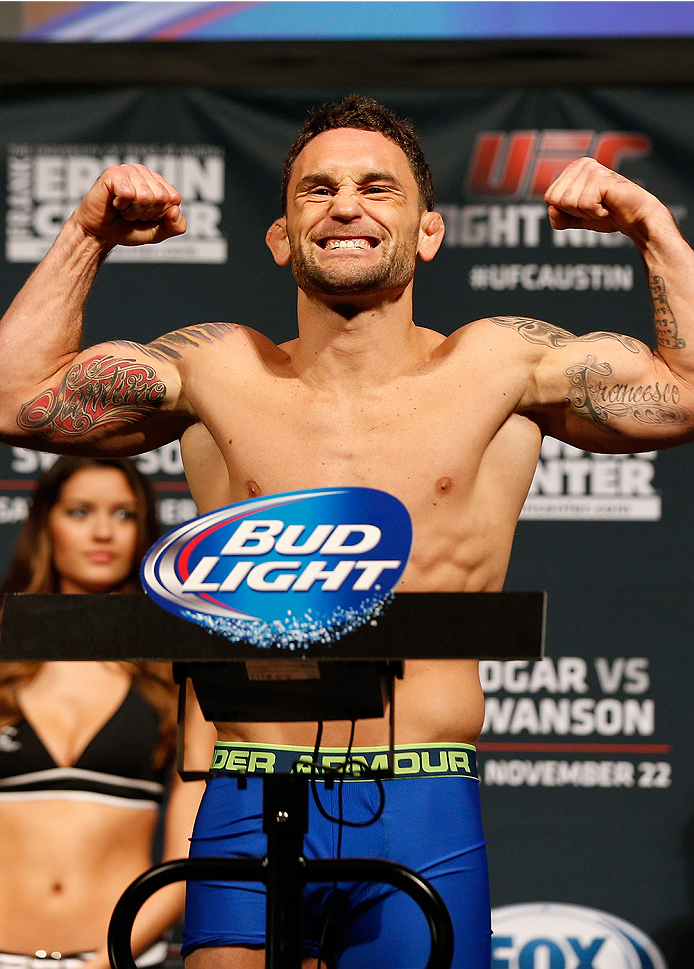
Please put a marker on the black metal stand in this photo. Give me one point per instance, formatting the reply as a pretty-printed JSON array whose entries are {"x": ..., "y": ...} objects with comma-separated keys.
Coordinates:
[
  {"x": 417, "y": 626},
  {"x": 285, "y": 822}
]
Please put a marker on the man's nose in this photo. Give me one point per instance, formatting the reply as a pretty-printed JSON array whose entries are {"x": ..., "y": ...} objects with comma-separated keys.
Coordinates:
[{"x": 345, "y": 205}]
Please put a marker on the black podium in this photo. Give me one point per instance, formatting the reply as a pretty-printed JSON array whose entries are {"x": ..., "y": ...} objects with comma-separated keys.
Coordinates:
[{"x": 349, "y": 679}]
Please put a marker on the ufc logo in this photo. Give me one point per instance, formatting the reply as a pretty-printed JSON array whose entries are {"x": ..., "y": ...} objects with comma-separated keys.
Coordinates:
[{"x": 523, "y": 164}]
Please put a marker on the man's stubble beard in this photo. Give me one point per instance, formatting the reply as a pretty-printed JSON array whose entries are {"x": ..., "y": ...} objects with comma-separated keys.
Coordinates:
[{"x": 394, "y": 272}]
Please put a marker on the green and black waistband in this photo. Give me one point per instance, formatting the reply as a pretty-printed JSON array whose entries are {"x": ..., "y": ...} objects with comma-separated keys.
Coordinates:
[{"x": 417, "y": 760}]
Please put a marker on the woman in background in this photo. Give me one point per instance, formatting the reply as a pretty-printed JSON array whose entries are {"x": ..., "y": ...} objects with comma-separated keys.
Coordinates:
[{"x": 86, "y": 748}]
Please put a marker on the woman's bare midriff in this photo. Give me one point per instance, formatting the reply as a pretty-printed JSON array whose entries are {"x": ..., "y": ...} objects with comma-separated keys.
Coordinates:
[
  {"x": 436, "y": 701},
  {"x": 58, "y": 891}
]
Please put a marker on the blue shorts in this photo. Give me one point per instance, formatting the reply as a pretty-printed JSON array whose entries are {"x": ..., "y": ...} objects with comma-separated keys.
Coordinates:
[{"x": 431, "y": 823}]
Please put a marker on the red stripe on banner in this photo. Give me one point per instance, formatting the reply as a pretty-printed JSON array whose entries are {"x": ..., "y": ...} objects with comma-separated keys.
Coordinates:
[
  {"x": 575, "y": 748},
  {"x": 17, "y": 484},
  {"x": 28, "y": 484},
  {"x": 171, "y": 486},
  {"x": 216, "y": 11}
]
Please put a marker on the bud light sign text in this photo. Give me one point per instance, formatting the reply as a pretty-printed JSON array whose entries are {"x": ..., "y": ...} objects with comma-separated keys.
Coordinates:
[{"x": 285, "y": 570}]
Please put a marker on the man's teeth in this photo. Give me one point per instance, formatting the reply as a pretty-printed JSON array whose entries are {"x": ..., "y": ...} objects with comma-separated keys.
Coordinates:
[{"x": 348, "y": 244}]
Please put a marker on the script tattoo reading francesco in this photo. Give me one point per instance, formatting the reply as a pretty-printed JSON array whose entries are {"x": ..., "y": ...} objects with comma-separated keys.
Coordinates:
[
  {"x": 594, "y": 393},
  {"x": 103, "y": 390},
  {"x": 605, "y": 403}
]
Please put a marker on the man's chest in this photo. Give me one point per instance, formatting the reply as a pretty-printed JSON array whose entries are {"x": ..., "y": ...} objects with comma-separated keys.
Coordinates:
[{"x": 412, "y": 438}]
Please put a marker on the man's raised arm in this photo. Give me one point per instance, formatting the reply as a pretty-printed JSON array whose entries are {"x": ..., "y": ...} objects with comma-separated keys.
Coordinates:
[
  {"x": 604, "y": 391},
  {"x": 53, "y": 396}
]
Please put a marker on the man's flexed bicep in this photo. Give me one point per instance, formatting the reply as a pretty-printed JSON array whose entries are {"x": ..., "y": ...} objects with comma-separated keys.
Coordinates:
[
  {"x": 118, "y": 397},
  {"x": 588, "y": 196},
  {"x": 605, "y": 391},
  {"x": 50, "y": 391}
]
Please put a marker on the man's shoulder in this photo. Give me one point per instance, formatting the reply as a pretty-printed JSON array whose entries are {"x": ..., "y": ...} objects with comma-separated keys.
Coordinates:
[
  {"x": 524, "y": 335},
  {"x": 219, "y": 341}
]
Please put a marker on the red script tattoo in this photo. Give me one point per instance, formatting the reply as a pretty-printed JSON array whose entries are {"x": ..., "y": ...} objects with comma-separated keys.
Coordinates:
[{"x": 103, "y": 390}]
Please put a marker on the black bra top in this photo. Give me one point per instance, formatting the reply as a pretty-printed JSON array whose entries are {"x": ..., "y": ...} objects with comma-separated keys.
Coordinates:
[{"x": 114, "y": 768}]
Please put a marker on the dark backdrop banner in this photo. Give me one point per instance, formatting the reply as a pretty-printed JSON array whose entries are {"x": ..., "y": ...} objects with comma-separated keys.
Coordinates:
[{"x": 587, "y": 788}]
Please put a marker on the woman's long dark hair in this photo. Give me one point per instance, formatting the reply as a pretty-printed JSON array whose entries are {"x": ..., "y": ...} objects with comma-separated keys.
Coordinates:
[{"x": 31, "y": 570}]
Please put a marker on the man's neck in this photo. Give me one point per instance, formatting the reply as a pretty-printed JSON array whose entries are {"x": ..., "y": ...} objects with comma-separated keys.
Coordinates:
[{"x": 350, "y": 344}]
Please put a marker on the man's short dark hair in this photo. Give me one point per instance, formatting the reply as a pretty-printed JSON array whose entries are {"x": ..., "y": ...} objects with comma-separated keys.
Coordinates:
[{"x": 365, "y": 113}]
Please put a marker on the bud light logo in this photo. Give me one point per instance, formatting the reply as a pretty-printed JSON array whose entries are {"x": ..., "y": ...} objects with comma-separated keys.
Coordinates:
[
  {"x": 284, "y": 570},
  {"x": 548, "y": 936}
]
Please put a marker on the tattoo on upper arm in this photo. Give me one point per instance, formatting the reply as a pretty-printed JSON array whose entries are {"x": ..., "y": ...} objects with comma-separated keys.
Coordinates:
[
  {"x": 167, "y": 348},
  {"x": 607, "y": 404},
  {"x": 103, "y": 390},
  {"x": 663, "y": 318},
  {"x": 537, "y": 331}
]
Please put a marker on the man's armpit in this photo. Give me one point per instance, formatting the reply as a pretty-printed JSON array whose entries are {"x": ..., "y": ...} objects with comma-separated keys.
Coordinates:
[{"x": 95, "y": 392}]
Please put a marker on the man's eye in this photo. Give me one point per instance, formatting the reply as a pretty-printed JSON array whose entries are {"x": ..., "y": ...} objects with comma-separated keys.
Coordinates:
[
  {"x": 320, "y": 190},
  {"x": 376, "y": 189}
]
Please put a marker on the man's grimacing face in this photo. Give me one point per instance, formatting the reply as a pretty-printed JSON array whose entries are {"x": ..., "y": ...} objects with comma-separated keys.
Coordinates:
[{"x": 354, "y": 215}]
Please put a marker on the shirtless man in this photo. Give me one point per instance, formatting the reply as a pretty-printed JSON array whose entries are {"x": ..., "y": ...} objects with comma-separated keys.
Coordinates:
[{"x": 363, "y": 397}]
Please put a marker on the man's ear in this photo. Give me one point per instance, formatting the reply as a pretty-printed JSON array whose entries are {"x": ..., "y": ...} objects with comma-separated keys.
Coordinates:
[
  {"x": 431, "y": 232},
  {"x": 278, "y": 242}
]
